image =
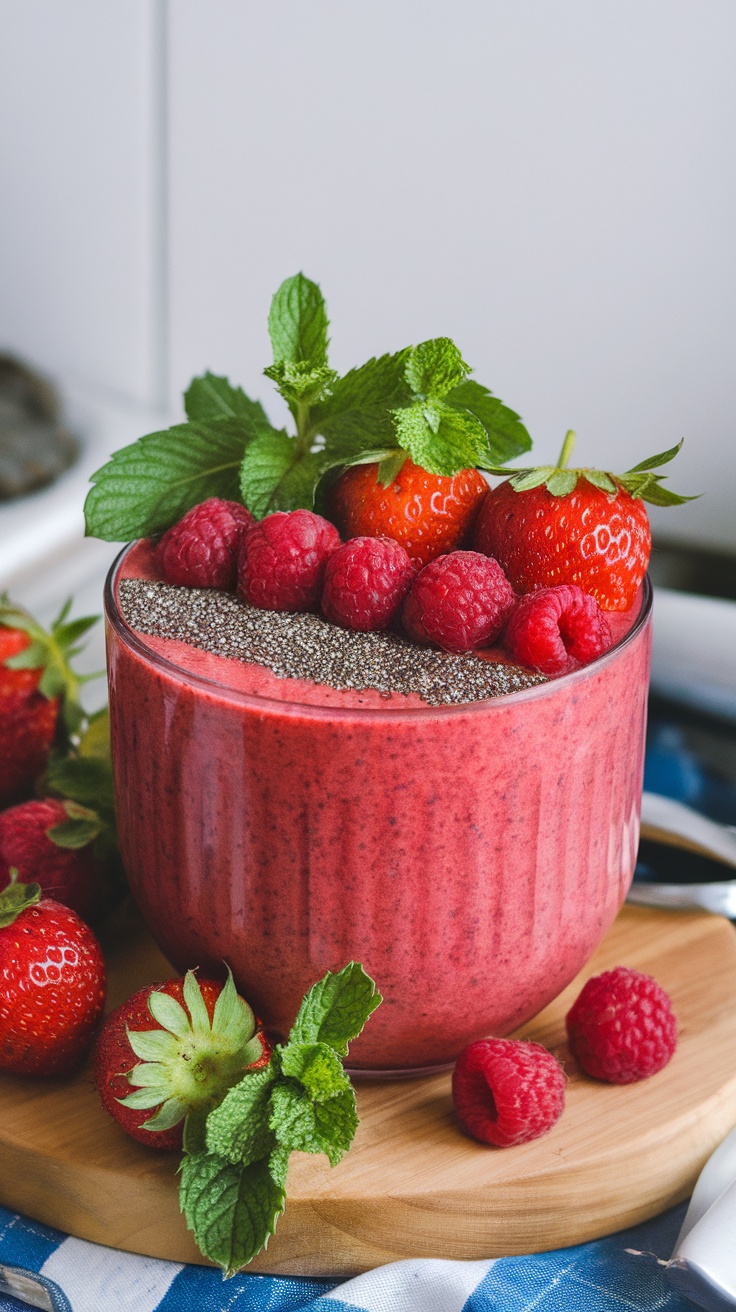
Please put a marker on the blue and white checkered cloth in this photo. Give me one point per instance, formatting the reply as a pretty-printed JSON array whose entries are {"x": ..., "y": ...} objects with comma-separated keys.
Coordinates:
[{"x": 603, "y": 1276}]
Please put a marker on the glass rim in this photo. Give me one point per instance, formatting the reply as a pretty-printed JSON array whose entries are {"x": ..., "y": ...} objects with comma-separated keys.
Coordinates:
[{"x": 264, "y": 703}]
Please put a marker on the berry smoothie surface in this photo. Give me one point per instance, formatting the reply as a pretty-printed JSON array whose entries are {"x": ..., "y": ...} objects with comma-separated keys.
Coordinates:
[{"x": 472, "y": 857}]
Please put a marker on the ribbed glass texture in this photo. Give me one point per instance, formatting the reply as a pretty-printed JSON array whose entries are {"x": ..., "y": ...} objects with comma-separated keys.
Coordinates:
[{"x": 472, "y": 858}]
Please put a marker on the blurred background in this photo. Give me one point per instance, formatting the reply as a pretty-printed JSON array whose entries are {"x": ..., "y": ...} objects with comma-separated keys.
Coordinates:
[{"x": 549, "y": 182}]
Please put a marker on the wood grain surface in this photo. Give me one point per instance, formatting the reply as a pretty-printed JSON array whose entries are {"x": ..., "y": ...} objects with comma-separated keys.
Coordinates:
[{"x": 413, "y": 1185}]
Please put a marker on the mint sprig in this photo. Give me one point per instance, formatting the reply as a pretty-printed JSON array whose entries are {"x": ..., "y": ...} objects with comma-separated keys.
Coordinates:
[
  {"x": 233, "y": 1179},
  {"x": 416, "y": 402}
]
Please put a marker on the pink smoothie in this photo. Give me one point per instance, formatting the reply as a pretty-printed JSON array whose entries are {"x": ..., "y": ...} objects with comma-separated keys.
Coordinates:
[{"x": 471, "y": 857}]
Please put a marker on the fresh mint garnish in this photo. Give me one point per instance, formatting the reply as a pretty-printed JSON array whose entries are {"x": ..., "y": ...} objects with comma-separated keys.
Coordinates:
[
  {"x": 147, "y": 487},
  {"x": 212, "y": 397},
  {"x": 231, "y": 1208},
  {"x": 233, "y": 1176},
  {"x": 417, "y": 402}
]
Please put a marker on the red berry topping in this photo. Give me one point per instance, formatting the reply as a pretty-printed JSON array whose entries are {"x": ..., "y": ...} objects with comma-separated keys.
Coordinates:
[
  {"x": 598, "y": 541},
  {"x": 557, "y": 630},
  {"x": 366, "y": 580},
  {"x": 201, "y": 551},
  {"x": 458, "y": 602},
  {"x": 72, "y": 876},
  {"x": 622, "y": 1027},
  {"x": 427, "y": 513},
  {"x": 283, "y": 558},
  {"x": 53, "y": 984},
  {"x": 506, "y": 1092}
]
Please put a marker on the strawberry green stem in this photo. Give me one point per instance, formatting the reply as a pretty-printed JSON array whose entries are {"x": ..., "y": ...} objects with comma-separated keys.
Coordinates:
[{"x": 567, "y": 447}]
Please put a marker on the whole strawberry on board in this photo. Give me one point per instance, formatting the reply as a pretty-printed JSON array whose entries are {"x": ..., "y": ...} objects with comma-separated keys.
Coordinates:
[
  {"x": 173, "y": 1049},
  {"x": 39, "y": 693},
  {"x": 53, "y": 984},
  {"x": 555, "y": 525}
]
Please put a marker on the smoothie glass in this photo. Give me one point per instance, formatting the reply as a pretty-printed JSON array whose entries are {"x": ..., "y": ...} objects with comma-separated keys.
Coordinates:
[{"x": 471, "y": 857}]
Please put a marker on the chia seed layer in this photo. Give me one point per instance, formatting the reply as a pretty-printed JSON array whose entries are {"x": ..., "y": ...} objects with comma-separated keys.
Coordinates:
[{"x": 302, "y": 646}]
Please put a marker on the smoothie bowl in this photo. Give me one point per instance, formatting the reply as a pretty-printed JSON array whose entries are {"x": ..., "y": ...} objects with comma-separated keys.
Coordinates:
[{"x": 471, "y": 856}]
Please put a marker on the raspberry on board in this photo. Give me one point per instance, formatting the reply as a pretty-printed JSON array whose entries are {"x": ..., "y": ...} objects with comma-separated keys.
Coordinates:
[
  {"x": 201, "y": 551},
  {"x": 427, "y": 513},
  {"x": 506, "y": 1092},
  {"x": 460, "y": 601},
  {"x": 556, "y": 630},
  {"x": 366, "y": 580},
  {"x": 622, "y": 1027},
  {"x": 283, "y": 559}
]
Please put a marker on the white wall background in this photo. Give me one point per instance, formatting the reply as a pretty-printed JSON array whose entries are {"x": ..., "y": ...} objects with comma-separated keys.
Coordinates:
[{"x": 551, "y": 182}]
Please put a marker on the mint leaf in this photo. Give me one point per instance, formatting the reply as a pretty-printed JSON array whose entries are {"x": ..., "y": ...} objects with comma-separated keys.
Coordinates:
[
  {"x": 314, "y": 1127},
  {"x": 435, "y": 367},
  {"x": 238, "y": 1129},
  {"x": 506, "y": 435},
  {"x": 231, "y": 1209},
  {"x": 335, "y": 1009},
  {"x": 148, "y": 486},
  {"x": 301, "y": 383},
  {"x": 356, "y": 417},
  {"x": 440, "y": 438},
  {"x": 274, "y": 476},
  {"x": 213, "y": 397},
  {"x": 297, "y": 323},
  {"x": 317, "y": 1067}
]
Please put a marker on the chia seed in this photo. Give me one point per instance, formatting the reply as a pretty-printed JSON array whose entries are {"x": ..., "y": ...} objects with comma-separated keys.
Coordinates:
[{"x": 304, "y": 646}]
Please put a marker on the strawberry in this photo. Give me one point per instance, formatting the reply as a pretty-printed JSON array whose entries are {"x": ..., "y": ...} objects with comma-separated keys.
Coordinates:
[
  {"x": 36, "y": 685},
  {"x": 556, "y": 525},
  {"x": 74, "y": 875},
  {"x": 53, "y": 979},
  {"x": 428, "y": 514},
  {"x": 194, "y": 1038}
]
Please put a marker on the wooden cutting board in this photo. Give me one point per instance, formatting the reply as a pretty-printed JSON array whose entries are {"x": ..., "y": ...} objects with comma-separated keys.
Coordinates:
[{"x": 413, "y": 1185}]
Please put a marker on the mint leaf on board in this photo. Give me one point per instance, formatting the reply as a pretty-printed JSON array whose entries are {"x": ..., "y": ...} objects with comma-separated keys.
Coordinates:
[
  {"x": 506, "y": 435},
  {"x": 148, "y": 486},
  {"x": 213, "y": 397},
  {"x": 357, "y": 415},
  {"x": 238, "y": 1129},
  {"x": 231, "y": 1209},
  {"x": 275, "y": 476},
  {"x": 336, "y": 1008},
  {"x": 434, "y": 367},
  {"x": 302, "y": 1125},
  {"x": 440, "y": 438},
  {"x": 298, "y": 323},
  {"x": 317, "y": 1067}
]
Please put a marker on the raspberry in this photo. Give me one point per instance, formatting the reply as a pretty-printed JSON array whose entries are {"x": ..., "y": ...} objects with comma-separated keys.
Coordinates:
[
  {"x": 506, "y": 1092},
  {"x": 72, "y": 876},
  {"x": 556, "y": 630},
  {"x": 366, "y": 581},
  {"x": 622, "y": 1027},
  {"x": 201, "y": 551},
  {"x": 282, "y": 560},
  {"x": 458, "y": 602}
]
